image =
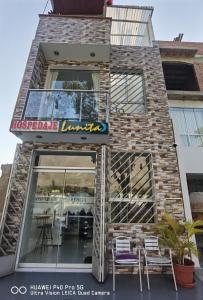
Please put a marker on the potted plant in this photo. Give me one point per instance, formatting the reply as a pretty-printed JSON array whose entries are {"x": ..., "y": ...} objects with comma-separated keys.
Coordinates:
[{"x": 177, "y": 236}]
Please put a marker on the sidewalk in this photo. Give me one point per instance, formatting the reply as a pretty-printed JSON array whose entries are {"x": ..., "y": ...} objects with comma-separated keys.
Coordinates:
[{"x": 73, "y": 286}]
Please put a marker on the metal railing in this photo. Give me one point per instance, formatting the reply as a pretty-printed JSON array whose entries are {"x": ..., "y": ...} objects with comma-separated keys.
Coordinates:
[{"x": 73, "y": 105}]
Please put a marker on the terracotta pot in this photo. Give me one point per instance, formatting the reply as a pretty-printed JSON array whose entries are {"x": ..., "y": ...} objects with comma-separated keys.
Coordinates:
[{"x": 185, "y": 274}]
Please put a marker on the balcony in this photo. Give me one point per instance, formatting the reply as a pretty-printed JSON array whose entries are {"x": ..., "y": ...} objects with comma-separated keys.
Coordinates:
[{"x": 64, "y": 116}]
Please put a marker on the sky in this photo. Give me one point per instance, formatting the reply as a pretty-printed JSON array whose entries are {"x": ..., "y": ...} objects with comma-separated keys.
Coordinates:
[{"x": 18, "y": 22}]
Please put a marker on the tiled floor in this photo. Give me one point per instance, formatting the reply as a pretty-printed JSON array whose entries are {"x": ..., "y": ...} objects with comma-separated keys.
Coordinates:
[{"x": 127, "y": 287}]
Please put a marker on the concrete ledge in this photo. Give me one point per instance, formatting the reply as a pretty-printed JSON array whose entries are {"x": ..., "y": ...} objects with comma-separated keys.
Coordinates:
[{"x": 185, "y": 95}]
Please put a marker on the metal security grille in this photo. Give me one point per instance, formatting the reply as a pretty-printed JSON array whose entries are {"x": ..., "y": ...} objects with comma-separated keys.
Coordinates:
[
  {"x": 127, "y": 92},
  {"x": 131, "y": 188}
]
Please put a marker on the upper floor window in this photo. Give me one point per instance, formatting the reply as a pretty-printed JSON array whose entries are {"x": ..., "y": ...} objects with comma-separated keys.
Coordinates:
[
  {"x": 180, "y": 76},
  {"x": 127, "y": 92},
  {"x": 74, "y": 79},
  {"x": 189, "y": 122}
]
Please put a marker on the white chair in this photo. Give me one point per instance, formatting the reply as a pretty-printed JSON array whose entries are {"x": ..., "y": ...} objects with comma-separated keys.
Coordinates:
[
  {"x": 153, "y": 257},
  {"x": 122, "y": 255}
]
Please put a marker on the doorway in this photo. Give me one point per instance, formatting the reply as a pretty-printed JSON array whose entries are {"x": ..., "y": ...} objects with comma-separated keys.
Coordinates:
[{"x": 59, "y": 217}]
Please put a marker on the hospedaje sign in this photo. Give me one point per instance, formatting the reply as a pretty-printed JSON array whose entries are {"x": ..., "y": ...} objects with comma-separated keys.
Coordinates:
[
  {"x": 64, "y": 126},
  {"x": 32, "y": 125}
]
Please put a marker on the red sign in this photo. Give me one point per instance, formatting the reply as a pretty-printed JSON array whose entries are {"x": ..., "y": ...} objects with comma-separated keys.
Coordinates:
[{"x": 30, "y": 125}]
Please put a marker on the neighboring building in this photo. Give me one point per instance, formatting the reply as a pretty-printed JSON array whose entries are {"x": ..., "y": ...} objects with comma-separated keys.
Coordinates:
[
  {"x": 97, "y": 157},
  {"x": 4, "y": 179},
  {"x": 183, "y": 72}
]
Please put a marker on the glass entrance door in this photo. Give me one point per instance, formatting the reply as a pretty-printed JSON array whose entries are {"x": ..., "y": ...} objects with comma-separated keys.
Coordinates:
[
  {"x": 58, "y": 226},
  {"x": 76, "y": 220}
]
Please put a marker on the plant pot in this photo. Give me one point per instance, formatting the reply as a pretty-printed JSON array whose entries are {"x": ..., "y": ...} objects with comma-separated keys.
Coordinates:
[{"x": 184, "y": 274}]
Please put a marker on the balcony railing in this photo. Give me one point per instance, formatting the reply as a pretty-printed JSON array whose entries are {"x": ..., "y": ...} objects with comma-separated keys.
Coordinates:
[{"x": 73, "y": 105}]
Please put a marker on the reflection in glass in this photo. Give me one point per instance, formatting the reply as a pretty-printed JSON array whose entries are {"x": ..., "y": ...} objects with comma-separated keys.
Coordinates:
[
  {"x": 57, "y": 105},
  {"x": 41, "y": 226},
  {"x": 184, "y": 140},
  {"x": 77, "y": 219},
  {"x": 58, "y": 226},
  {"x": 199, "y": 118},
  {"x": 195, "y": 140},
  {"x": 127, "y": 93},
  {"x": 74, "y": 79},
  {"x": 179, "y": 119},
  {"x": 189, "y": 122},
  {"x": 72, "y": 160}
]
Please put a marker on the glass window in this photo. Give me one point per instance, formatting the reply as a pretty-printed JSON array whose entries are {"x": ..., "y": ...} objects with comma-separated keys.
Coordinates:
[
  {"x": 83, "y": 160},
  {"x": 131, "y": 188},
  {"x": 199, "y": 118},
  {"x": 74, "y": 79},
  {"x": 127, "y": 93},
  {"x": 58, "y": 227},
  {"x": 189, "y": 122},
  {"x": 179, "y": 119}
]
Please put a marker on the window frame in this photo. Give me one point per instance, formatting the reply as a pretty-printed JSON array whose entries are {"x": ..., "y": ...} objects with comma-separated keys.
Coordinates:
[
  {"x": 125, "y": 73},
  {"x": 187, "y": 133},
  {"x": 129, "y": 201},
  {"x": 47, "y": 84}
]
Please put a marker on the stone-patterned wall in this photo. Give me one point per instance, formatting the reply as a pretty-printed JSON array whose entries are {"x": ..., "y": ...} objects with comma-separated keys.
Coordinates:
[
  {"x": 79, "y": 30},
  {"x": 35, "y": 59},
  {"x": 151, "y": 131},
  {"x": 58, "y": 29}
]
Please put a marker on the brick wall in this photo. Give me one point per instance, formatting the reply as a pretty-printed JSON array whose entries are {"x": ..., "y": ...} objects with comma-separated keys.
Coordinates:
[{"x": 79, "y": 30}]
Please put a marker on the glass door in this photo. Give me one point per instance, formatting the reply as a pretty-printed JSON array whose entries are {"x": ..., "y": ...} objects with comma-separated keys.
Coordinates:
[
  {"x": 42, "y": 223},
  {"x": 76, "y": 220},
  {"x": 58, "y": 226}
]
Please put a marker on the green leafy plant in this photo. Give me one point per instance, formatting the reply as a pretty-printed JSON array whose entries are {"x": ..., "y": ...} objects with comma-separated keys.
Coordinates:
[{"x": 177, "y": 236}]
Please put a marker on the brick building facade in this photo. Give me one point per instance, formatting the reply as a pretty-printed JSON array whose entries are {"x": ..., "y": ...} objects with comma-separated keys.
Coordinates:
[{"x": 136, "y": 169}]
